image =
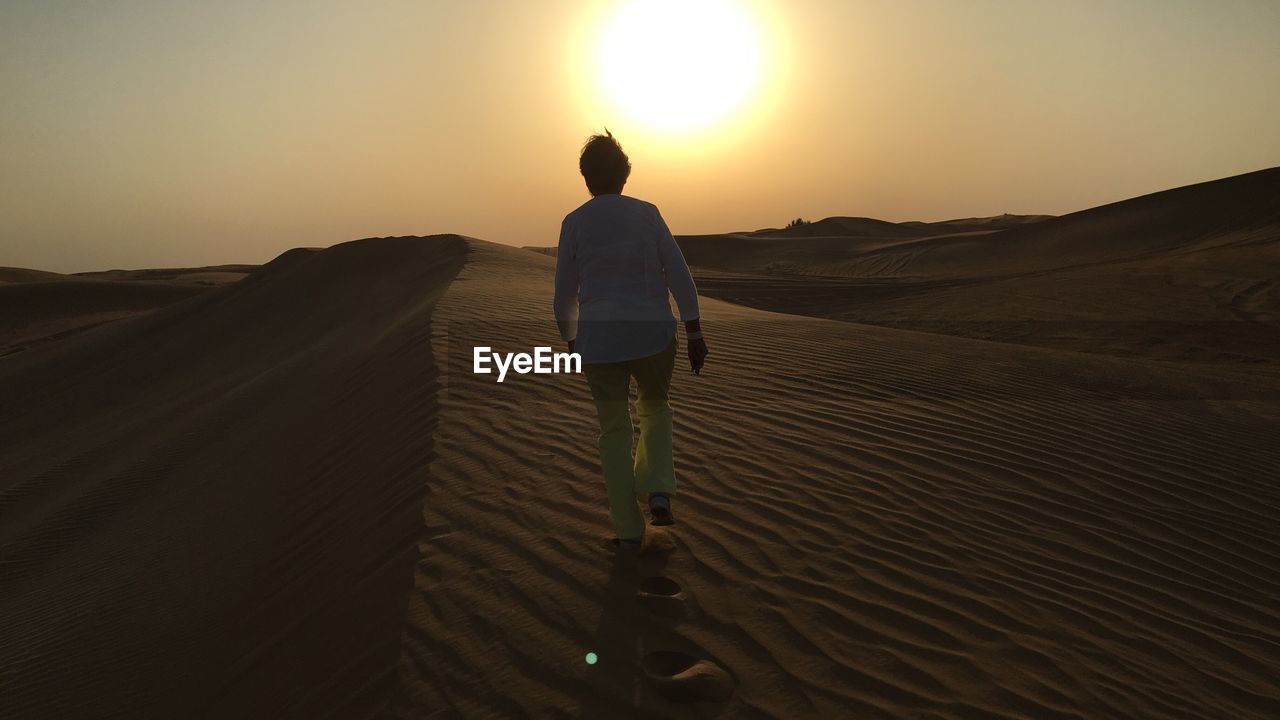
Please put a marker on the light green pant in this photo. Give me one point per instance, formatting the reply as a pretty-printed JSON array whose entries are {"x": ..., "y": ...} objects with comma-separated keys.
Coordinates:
[{"x": 652, "y": 469}]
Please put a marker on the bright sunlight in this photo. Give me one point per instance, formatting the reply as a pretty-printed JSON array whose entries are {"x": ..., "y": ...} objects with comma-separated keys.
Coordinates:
[{"x": 680, "y": 66}]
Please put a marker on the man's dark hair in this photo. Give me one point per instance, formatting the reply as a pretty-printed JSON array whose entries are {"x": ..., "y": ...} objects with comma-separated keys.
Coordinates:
[{"x": 604, "y": 165}]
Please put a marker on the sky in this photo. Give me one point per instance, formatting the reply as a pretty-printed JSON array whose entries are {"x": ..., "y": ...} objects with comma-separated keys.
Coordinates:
[{"x": 164, "y": 133}]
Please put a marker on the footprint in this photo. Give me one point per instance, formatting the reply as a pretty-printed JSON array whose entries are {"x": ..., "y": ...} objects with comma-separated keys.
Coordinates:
[
  {"x": 664, "y": 596},
  {"x": 661, "y": 586},
  {"x": 681, "y": 676}
]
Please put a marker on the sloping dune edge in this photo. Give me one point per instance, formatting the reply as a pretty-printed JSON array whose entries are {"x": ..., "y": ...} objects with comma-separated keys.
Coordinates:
[{"x": 212, "y": 510}]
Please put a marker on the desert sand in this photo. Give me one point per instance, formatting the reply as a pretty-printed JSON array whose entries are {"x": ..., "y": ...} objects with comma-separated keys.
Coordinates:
[
  {"x": 210, "y": 510},
  {"x": 289, "y": 497}
]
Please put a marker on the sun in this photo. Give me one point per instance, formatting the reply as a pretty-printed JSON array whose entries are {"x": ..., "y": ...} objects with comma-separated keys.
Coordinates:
[{"x": 680, "y": 66}]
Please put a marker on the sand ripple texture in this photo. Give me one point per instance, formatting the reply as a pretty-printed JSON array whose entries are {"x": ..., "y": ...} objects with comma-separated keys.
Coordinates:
[{"x": 873, "y": 523}]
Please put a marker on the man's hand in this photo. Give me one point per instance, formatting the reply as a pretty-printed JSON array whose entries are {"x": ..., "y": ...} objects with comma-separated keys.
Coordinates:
[
  {"x": 697, "y": 346},
  {"x": 697, "y": 354}
]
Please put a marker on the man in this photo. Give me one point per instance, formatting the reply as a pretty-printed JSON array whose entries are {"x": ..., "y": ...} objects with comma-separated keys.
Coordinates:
[{"x": 615, "y": 266}]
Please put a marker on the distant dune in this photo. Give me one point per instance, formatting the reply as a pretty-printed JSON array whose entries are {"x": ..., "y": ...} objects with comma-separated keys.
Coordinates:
[
  {"x": 24, "y": 275},
  {"x": 210, "y": 275},
  {"x": 1187, "y": 275},
  {"x": 843, "y": 227},
  {"x": 38, "y": 306},
  {"x": 862, "y": 227},
  {"x": 978, "y": 224},
  {"x": 846, "y": 229},
  {"x": 289, "y": 497}
]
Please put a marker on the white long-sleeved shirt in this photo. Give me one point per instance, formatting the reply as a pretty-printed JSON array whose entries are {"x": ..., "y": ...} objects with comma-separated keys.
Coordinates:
[{"x": 615, "y": 265}]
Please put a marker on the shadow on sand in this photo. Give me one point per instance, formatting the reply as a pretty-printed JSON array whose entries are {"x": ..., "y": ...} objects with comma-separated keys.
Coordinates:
[{"x": 614, "y": 684}]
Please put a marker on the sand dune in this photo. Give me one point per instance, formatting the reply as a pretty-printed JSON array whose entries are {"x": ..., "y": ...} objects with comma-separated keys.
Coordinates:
[
  {"x": 978, "y": 224},
  {"x": 205, "y": 511},
  {"x": 875, "y": 523},
  {"x": 22, "y": 275},
  {"x": 209, "y": 275},
  {"x": 1188, "y": 275},
  {"x": 38, "y": 307},
  {"x": 845, "y": 227},
  {"x": 862, "y": 227},
  {"x": 1236, "y": 212},
  {"x": 289, "y": 497},
  {"x": 822, "y": 247}
]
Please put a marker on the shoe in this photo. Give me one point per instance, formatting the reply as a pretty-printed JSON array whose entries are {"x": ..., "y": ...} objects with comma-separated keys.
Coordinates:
[{"x": 660, "y": 510}]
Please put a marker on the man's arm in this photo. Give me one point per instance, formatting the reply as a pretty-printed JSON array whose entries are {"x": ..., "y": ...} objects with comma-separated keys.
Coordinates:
[
  {"x": 680, "y": 282},
  {"x": 565, "y": 303}
]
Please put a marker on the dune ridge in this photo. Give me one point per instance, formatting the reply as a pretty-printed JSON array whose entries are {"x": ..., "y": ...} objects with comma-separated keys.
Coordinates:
[{"x": 209, "y": 510}]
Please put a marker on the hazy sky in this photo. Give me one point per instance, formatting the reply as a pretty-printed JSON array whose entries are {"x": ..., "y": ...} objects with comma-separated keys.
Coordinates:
[{"x": 146, "y": 133}]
